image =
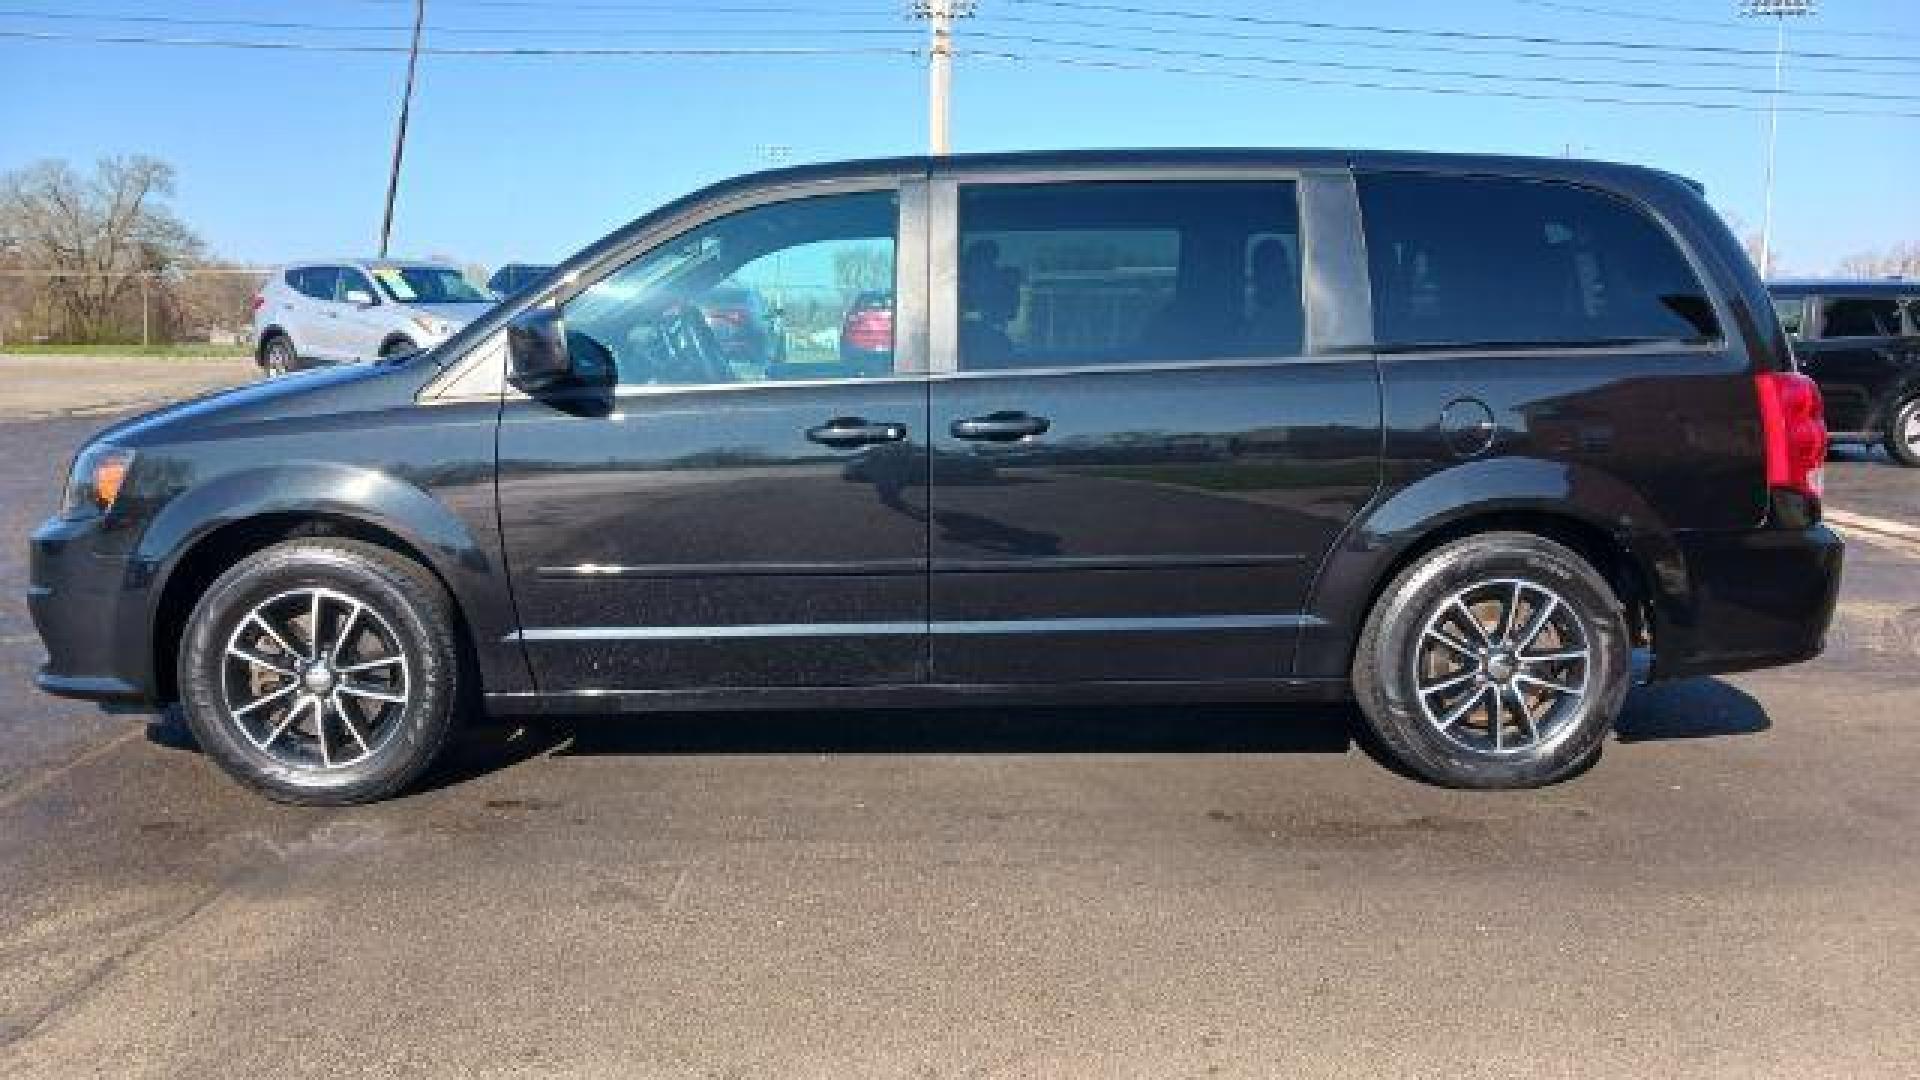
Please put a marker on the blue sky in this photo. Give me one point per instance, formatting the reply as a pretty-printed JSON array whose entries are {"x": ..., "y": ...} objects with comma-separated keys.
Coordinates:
[{"x": 284, "y": 154}]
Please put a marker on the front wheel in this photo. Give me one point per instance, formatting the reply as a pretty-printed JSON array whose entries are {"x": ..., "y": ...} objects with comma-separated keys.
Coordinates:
[
  {"x": 1496, "y": 661},
  {"x": 321, "y": 672},
  {"x": 398, "y": 347},
  {"x": 1903, "y": 433}
]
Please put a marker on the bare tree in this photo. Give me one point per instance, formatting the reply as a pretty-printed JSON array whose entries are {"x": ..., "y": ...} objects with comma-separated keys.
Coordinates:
[
  {"x": 100, "y": 238},
  {"x": 1900, "y": 260}
]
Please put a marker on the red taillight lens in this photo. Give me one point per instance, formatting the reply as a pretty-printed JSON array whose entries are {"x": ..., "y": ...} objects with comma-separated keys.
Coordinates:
[
  {"x": 1795, "y": 426},
  {"x": 259, "y": 300},
  {"x": 871, "y": 331}
]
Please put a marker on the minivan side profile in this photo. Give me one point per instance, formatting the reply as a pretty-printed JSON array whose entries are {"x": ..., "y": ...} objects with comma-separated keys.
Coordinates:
[{"x": 1448, "y": 436}]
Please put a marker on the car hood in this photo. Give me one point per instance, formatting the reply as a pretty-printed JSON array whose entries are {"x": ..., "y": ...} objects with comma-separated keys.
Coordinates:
[{"x": 304, "y": 393}]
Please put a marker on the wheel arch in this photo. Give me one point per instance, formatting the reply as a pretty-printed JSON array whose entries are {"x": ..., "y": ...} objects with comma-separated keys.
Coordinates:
[
  {"x": 1586, "y": 510},
  {"x": 268, "y": 333},
  {"x": 208, "y": 530},
  {"x": 395, "y": 338}
]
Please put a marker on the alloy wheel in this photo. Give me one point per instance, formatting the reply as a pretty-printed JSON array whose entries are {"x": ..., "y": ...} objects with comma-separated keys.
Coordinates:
[
  {"x": 1503, "y": 667},
  {"x": 315, "y": 679}
]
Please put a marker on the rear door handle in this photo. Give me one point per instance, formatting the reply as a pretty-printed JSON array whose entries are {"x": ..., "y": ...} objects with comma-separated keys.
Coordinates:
[
  {"x": 1000, "y": 427},
  {"x": 855, "y": 431}
]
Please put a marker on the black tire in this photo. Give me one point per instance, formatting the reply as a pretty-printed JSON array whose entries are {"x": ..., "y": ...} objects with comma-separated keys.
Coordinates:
[
  {"x": 1903, "y": 433},
  {"x": 277, "y": 357},
  {"x": 1397, "y": 655},
  {"x": 398, "y": 347},
  {"x": 405, "y": 613}
]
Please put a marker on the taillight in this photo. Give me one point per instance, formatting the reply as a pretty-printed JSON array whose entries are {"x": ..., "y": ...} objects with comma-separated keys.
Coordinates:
[
  {"x": 1795, "y": 427},
  {"x": 871, "y": 331},
  {"x": 259, "y": 301}
]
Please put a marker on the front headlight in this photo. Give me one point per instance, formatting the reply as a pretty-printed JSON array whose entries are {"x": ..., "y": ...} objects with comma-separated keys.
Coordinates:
[{"x": 98, "y": 476}]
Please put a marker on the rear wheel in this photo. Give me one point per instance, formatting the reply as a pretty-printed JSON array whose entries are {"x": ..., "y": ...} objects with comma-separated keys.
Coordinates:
[
  {"x": 277, "y": 358},
  {"x": 1903, "y": 433},
  {"x": 398, "y": 347},
  {"x": 1495, "y": 661},
  {"x": 321, "y": 672}
]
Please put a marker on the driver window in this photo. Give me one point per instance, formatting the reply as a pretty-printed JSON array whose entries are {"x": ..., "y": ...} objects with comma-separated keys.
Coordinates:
[{"x": 793, "y": 290}]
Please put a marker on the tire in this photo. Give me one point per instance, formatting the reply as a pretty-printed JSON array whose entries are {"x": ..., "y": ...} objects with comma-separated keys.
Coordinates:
[
  {"x": 398, "y": 347},
  {"x": 1448, "y": 738},
  {"x": 379, "y": 724},
  {"x": 1903, "y": 433},
  {"x": 277, "y": 357}
]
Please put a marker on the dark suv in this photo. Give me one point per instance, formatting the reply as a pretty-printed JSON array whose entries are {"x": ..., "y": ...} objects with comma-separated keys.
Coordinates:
[
  {"x": 1860, "y": 340},
  {"x": 1449, "y": 435}
]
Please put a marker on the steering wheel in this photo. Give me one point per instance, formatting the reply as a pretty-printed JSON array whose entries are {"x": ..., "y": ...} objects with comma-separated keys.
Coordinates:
[{"x": 691, "y": 351}]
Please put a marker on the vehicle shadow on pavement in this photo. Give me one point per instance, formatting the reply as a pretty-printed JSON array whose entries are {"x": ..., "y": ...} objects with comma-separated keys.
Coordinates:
[
  {"x": 1192, "y": 729},
  {"x": 1689, "y": 709}
]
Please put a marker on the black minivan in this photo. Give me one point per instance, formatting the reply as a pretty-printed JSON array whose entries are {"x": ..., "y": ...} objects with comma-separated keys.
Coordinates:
[{"x": 1452, "y": 436}]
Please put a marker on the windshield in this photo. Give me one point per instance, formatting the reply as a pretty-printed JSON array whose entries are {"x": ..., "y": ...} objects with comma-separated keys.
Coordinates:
[{"x": 428, "y": 285}]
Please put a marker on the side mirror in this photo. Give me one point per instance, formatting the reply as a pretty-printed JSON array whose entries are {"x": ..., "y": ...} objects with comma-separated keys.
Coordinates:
[
  {"x": 360, "y": 298},
  {"x": 537, "y": 349}
]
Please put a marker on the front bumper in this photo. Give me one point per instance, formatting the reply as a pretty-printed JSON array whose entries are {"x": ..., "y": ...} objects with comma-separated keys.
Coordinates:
[
  {"x": 89, "y": 603},
  {"x": 1751, "y": 599}
]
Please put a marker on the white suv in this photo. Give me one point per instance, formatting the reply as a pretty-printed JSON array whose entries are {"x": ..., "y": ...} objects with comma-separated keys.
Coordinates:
[{"x": 359, "y": 309}]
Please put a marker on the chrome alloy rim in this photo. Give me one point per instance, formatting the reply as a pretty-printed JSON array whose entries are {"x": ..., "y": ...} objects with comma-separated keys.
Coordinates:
[
  {"x": 1910, "y": 429},
  {"x": 315, "y": 679},
  {"x": 1502, "y": 667}
]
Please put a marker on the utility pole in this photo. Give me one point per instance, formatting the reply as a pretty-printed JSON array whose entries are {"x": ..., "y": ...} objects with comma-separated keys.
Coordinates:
[
  {"x": 939, "y": 15},
  {"x": 1780, "y": 10},
  {"x": 400, "y": 134}
]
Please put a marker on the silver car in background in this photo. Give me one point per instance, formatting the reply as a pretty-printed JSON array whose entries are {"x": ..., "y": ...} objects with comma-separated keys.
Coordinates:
[{"x": 309, "y": 314}]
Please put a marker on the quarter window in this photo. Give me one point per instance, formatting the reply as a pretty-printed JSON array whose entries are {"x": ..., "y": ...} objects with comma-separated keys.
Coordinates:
[
  {"x": 315, "y": 281},
  {"x": 1127, "y": 273},
  {"x": 1471, "y": 261},
  {"x": 1860, "y": 316},
  {"x": 1793, "y": 313},
  {"x": 795, "y": 290}
]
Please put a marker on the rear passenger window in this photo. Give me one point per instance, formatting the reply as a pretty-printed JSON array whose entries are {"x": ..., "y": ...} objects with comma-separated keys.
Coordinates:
[
  {"x": 1127, "y": 273},
  {"x": 1860, "y": 316},
  {"x": 1470, "y": 260}
]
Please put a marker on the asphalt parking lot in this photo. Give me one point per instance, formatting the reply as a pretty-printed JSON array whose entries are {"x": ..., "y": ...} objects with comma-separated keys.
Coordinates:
[{"x": 1154, "y": 892}]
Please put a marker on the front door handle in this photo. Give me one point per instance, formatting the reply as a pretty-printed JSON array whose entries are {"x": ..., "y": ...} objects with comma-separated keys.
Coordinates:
[
  {"x": 1000, "y": 427},
  {"x": 855, "y": 431}
]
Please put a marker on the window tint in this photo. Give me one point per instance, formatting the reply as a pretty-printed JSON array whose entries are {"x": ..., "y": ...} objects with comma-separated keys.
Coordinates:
[
  {"x": 1496, "y": 261},
  {"x": 1793, "y": 313},
  {"x": 1127, "y": 273},
  {"x": 1859, "y": 316},
  {"x": 795, "y": 290},
  {"x": 350, "y": 281},
  {"x": 315, "y": 281}
]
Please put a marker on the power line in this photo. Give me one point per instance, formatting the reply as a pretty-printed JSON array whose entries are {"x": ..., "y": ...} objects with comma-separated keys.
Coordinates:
[
  {"x": 400, "y": 28},
  {"x": 465, "y": 50},
  {"x": 1391, "y": 69},
  {"x": 1503, "y": 52},
  {"x": 1459, "y": 35},
  {"x": 1649, "y": 16},
  {"x": 1455, "y": 91}
]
